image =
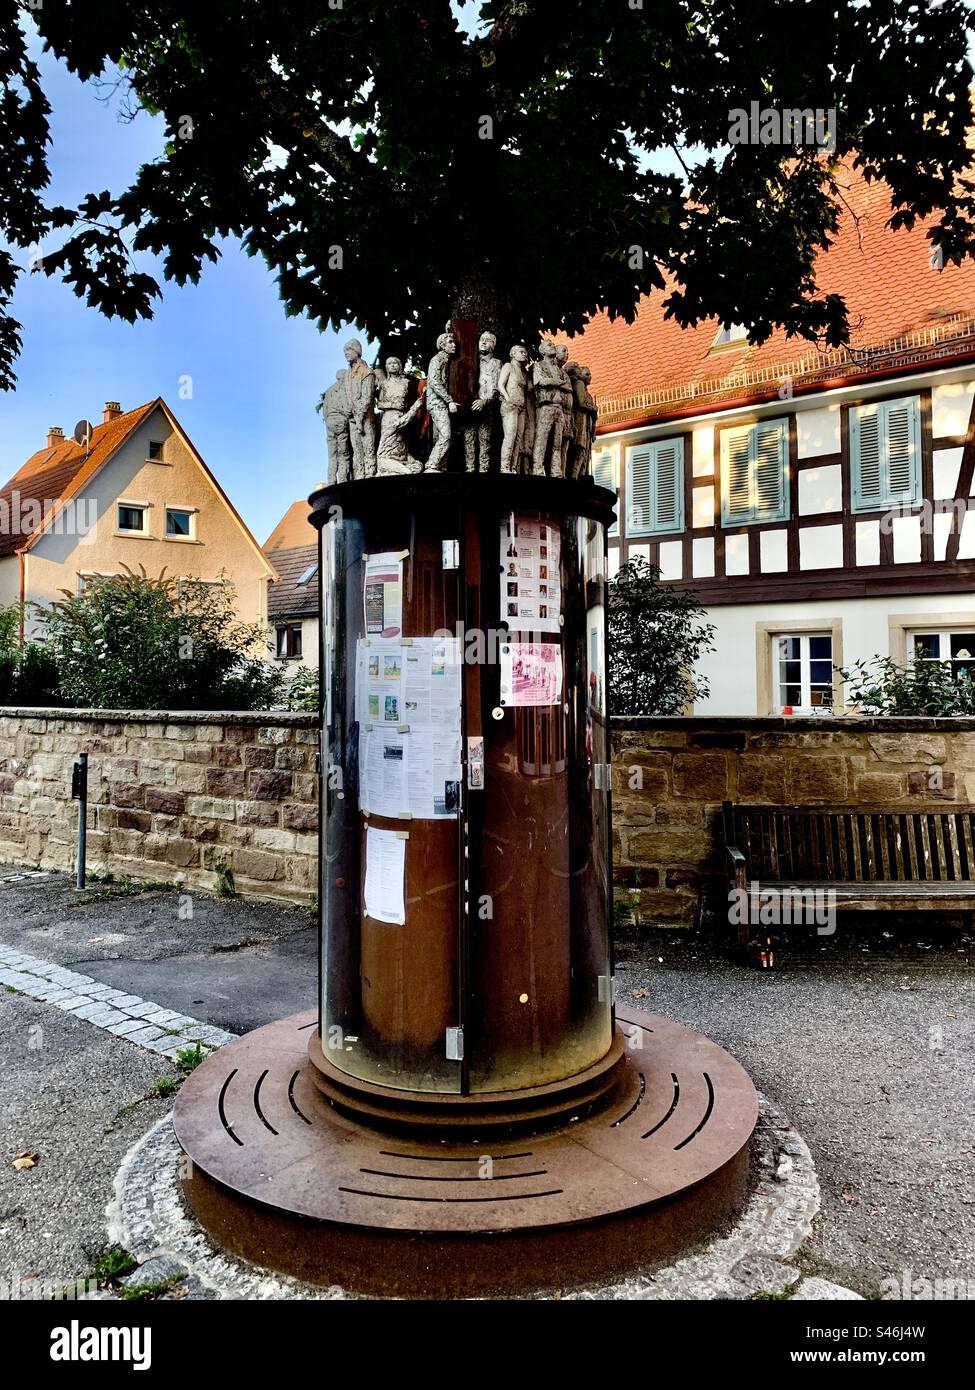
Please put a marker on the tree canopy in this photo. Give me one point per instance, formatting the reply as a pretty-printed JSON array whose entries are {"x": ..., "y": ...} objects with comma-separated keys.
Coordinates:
[{"x": 393, "y": 161}]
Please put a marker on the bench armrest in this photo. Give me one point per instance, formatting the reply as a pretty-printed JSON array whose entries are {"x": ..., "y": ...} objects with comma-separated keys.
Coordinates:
[{"x": 736, "y": 865}]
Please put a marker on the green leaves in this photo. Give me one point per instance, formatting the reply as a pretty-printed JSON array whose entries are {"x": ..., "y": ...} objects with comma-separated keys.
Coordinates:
[
  {"x": 376, "y": 114},
  {"x": 136, "y": 642},
  {"x": 655, "y": 639},
  {"x": 926, "y": 687}
]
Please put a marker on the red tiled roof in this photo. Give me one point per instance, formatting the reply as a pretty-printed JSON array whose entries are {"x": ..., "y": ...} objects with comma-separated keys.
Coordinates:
[
  {"x": 902, "y": 311},
  {"x": 52, "y": 475}
]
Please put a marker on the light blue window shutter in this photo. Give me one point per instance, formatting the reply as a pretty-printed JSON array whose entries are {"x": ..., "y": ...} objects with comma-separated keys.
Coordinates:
[
  {"x": 866, "y": 437},
  {"x": 903, "y": 450},
  {"x": 640, "y": 514},
  {"x": 604, "y": 475},
  {"x": 736, "y": 503},
  {"x": 768, "y": 474},
  {"x": 668, "y": 485},
  {"x": 885, "y": 450}
]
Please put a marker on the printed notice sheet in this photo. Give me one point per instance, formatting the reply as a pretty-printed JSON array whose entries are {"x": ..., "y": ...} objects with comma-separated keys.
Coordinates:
[
  {"x": 408, "y": 697},
  {"x": 382, "y": 771},
  {"x": 383, "y": 594},
  {"x": 531, "y": 595},
  {"x": 385, "y": 876},
  {"x": 531, "y": 673}
]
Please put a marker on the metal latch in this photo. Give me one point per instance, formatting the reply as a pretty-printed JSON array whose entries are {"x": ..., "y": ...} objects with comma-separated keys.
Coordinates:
[{"x": 455, "y": 1044}]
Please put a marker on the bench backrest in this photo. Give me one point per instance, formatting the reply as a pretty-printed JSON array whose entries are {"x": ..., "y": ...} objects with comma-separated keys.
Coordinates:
[{"x": 855, "y": 844}]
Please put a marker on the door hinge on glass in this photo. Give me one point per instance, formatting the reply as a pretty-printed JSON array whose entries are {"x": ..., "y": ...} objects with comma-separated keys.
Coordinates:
[{"x": 455, "y": 1044}]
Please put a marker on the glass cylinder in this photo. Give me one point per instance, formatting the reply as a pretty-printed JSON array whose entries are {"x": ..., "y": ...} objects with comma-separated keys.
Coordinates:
[{"x": 466, "y": 843}]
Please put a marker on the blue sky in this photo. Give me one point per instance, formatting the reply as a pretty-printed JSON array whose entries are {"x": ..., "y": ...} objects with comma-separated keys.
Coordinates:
[{"x": 256, "y": 375}]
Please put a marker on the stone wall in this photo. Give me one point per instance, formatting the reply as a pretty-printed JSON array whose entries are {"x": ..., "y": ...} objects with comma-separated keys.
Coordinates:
[
  {"x": 671, "y": 776},
  {"x": 169, "y": 795}
]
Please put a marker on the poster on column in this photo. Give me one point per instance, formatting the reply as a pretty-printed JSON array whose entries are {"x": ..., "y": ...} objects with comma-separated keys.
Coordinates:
[
  {"x": 385, "y": 890},
  {"x": 379, "y": 682},
  {"x": 434, "y": 773},
  {"x": 383, "y": 594},
  {"x": 530, "y": 565},
  {"x": 382, "y": 771},
  {"x": 431, "y": 682},
  {"x": 531, "y": 673},
  {"x": 408, "y": 697}
]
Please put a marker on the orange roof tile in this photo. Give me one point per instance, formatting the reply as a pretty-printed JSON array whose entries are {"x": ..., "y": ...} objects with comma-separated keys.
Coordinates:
[
  {"x": 52, "y": 475},
  {"x": 902, "y": 311}
]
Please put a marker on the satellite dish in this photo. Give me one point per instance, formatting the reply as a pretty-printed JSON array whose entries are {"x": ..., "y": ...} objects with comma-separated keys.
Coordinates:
[{"x": 83, "y": 432}]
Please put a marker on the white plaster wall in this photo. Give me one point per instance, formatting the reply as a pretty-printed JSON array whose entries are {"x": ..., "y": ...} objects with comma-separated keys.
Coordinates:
[
  {"x": 951, "y": 406},
  {"x": 817, "y": 431},
  {"x": 732, "y": 667}
]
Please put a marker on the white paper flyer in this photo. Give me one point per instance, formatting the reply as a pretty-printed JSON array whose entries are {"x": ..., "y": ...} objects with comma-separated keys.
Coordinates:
[
  {"x": 385, "y": 892},
  {"x": 383, "y": 594},
  {"x": 530, "y": 565}
]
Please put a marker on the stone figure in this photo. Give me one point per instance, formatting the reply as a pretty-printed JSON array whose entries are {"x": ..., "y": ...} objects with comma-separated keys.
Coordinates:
[
  {"x": 548, "y": 387},
  {"x": 361, "y": 383},
  {"x": 479, "y": 435},
  {"x": 584, "y": 421},
  {"x": 440, "y": 404},
  {"x": 337, "y": 411},
  {"x": 393, "y": 455},
  {"x": 513, "y": 389},
  {"x": 568, "y": 401}
]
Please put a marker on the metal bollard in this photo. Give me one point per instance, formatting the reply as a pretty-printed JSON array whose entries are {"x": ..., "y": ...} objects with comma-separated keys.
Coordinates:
[{"x": 79, "y": 790}]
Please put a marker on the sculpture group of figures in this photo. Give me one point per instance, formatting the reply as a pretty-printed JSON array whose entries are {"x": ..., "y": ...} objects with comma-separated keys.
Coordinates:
[{"x": 534, "y": 418}]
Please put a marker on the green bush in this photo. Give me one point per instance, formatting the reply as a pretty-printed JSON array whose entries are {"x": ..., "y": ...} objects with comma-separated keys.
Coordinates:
[
  {"x": 303, "y": 690},
  {"x": 28, "y": 675},
  {"x": 133, "y": 642},
  {"x": 927, "y": 686},
  {"x": 655, "y": 638}
]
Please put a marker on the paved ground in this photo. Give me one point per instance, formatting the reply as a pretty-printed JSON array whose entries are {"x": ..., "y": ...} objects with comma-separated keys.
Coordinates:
[{"x": 866, "y": 1043}]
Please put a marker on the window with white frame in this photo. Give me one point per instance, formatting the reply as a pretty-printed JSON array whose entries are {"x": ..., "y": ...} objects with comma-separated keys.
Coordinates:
[
  {"x": 803, "y": 672},
  {"x": 655, "y": 488},
  {"x": 755, "y": 473},
  {"x": 730, "y": 333},
  {"x": 180, "y": 523},
  {"x": 955, "y": 647},
  {"x": 885, "y": 454},
  {"x": 132, "y": 517},
  {"x": 605, "y": 472}
]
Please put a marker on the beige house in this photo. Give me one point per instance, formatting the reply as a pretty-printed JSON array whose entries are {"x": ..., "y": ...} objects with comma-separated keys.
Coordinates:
[
  {"x": 135, "y": 492},
  {"x": 293, "y": 598}
]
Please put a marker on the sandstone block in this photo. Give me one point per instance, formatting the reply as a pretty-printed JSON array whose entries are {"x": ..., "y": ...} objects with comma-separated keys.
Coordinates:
[{"x": 269, "y": 786}]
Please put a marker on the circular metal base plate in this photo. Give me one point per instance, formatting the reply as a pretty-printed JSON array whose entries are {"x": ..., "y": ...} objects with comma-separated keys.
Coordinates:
[{"x": 285, "y": 1179}]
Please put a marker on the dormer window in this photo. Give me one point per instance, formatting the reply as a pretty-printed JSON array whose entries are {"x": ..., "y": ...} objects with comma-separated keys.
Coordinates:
[{"x": 730, "y": 333}]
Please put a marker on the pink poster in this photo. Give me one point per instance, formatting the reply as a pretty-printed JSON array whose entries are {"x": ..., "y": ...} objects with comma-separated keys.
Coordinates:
[{"x": 531, "y": 673}]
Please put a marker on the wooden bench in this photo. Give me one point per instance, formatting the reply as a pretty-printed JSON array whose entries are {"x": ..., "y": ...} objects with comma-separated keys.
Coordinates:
[{"x": 904, "y": 860}]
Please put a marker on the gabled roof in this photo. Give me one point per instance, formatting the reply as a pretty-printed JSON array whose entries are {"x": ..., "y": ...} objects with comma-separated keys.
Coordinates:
[
  {"x": 56, "y": 474},
  {"x": 52, "y": 475},
  {"x": 293, "y": 529},
  {"x": 903, "y": 313},
  {"x": 286, "y": 598}
]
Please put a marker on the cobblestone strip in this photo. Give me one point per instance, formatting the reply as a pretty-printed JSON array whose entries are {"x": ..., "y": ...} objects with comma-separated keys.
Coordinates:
[{"x": 126, "y": 1015}]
